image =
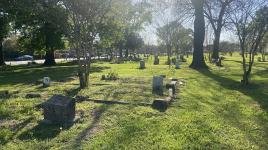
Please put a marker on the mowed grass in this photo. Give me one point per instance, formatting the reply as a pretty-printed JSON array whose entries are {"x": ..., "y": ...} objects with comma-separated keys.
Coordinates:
[{"x": 213, "y": 111}]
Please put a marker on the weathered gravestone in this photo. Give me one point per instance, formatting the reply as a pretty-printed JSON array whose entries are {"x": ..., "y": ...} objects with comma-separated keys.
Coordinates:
[
  {"x": 59, "y": 110},
  {"x": 156, "y": 60},
  {"x": 177, "y": 64},
  {"x": 172, "y": 86},
  {"x": 46, "y": 82},
  {"x": 158, "y": 85},
  {"x": 162, "y": 104},
  {"x": 142, "y": 64}
]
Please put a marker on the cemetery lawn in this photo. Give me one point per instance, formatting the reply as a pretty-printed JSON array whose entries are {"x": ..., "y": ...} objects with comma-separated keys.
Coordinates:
[{"x": 212, "y": 111}]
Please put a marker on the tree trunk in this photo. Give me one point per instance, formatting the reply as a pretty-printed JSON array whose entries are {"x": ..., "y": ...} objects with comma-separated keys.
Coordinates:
[
  {"x": 121, "y": 53},
  {"x": 2, "y": 61},
  {"x": 199, "y": 35},
  {"x": 216, "y": 45},
  {"x": 263, "y": 55},
  {"x": 50, "y": 58},
  {"x": 83, "y": 78},
  {"x": 126, "y": 54}
]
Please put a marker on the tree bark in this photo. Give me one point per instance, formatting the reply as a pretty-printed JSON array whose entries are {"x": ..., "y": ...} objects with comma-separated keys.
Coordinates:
[
  {"x": 263, "y": 55},
  {"x": 2, "y": 61},
  {"x": 216, "y": 45},
  {"x": 199, "y": 35},
  {"x": 127, "y": 53},
  {"x": 121, "y": 53},
  {"x": 50, "y": 58}
]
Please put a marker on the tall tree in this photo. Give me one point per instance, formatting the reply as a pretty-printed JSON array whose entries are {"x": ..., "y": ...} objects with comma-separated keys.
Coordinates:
[
  {"x": 263, "y": 47},
  {"x": 216, "y": 12},
  {"x": 165, "y": 35},
  {"x": 44, "y": 26},
  {"x": 182, "y": 40},
  {"x": 5, "y": 19},
  {"x": 86, "y": 16},
  {"x": 199, "y": 35},
  {"x": 250, "y": 26}
]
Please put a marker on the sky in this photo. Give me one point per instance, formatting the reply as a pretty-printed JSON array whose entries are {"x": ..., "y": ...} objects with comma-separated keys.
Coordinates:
[
  {"x": 150, "y": 37},
  {"x": 162, "y": 18}
]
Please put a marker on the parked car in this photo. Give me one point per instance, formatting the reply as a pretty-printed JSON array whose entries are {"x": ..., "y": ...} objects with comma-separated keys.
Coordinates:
[{"x": 24, "y": 58}]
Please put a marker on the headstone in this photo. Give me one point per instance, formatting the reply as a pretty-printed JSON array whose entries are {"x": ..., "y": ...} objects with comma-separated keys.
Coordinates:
[
  {"x": 32, "y": 95},
  {"x": 142, "y": 64},
  {"x": 161, "y": 104},
  {"x": 177, "y": 65},
  {"x": 103, "y": 77},
  {"x": 156, "y": 60},
  {"x": 173, "y": 86},
  {"x": 158, "y": 85},
  {"x": 59, "y": 110},
  {"x": 46, "y": 82},
  {"x": 170, "y": 92}
]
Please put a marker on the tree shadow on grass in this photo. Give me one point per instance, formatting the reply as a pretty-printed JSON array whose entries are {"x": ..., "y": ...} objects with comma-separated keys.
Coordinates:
[
  {"x": 255, "y": 91},
  {"x": 232, "y": 114},
  {"x": 25, "y": 75},
  {"x": 41, "y": 132},
  {"x": 16, "y": 129},
  {"x": 88, "y": 132}
]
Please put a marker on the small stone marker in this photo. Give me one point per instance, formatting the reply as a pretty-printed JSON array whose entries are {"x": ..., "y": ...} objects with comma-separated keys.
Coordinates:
[
  {"x": 170, "y": 92},
  {"x": 173, "y": 87},
  {"x": 46, "y": 82},
  {"x": 158, "y": 85},
  {"x": 162, "y": 104},
  {"x": 32, "y": 95},
  {"x": 142, "y": 64},
  {"x": 59, "y": 110},
  {"x": 177, "y": 65}
]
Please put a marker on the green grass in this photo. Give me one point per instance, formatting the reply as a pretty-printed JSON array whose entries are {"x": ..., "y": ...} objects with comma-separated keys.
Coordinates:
[{"x": 213, "y": 110}]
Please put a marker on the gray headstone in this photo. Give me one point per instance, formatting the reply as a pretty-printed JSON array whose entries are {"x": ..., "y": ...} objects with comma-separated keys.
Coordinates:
[
  {"x": 177, "y": 64},
  {"x": 46, "y": 81},
  {"x": 158, "y": 85},
  {"x": 59, "y": 110},
  {"x": 142, "y": 64}
]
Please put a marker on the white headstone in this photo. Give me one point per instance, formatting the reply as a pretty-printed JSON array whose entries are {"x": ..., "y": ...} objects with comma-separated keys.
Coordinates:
[
  {"x": 170, "y": 92},
  {"x": 46, "y": 81}
]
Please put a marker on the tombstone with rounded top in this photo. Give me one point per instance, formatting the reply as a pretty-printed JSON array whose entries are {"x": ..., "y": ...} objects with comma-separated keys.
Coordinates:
[
  {"x": 46, "y": 82},
  {"x": 142, "y": 64},
  {"x": 59, "y": 109}
]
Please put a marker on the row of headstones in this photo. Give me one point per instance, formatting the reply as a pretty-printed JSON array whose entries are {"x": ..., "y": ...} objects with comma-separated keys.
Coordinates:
[
  {"x": 61, "y": 109},
  {"x": 156, "y": 62}
]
